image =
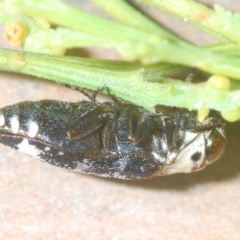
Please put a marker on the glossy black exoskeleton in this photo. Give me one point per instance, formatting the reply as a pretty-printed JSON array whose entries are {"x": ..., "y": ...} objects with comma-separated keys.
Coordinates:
[{"x": 118, "y": 140}]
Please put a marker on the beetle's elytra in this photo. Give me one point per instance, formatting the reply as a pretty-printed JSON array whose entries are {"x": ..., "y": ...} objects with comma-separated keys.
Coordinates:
[{"x": 118, "y": 140}]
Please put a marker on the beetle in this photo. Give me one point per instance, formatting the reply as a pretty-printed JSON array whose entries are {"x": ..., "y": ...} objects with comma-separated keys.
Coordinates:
[{"x": 113, "y": 139}]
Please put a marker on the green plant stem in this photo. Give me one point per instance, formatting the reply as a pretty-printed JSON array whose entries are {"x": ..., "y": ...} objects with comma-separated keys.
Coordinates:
[
  {"x": 73, "y": 18},
  {"x": 134, "y": 44},
  {"x": 232, "y": 49},
  {"x": 125, "y": 13},
  {"x": 127, "y": 84},
  {"x": 62, "y": 38},
  {"x": 219, "y": 23},
  {"x": 189, "y": 55}
]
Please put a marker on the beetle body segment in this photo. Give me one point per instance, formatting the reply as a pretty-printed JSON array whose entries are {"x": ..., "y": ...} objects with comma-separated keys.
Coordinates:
[{"x": 118, "y": 140}]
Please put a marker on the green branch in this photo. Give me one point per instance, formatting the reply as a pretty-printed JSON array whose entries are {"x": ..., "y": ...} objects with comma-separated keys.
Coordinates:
[
  {"x": 129, "y": 84},
  {"x": 125, "y": 13},
  {"x": 133, "y": 44},
  {"x": 219, "y": 23}
]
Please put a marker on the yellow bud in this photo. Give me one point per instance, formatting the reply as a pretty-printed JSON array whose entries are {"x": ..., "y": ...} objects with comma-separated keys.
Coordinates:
[
  {"x": 219, "y": 82},
  {"x": 202, "y": 113},
  {"x": 231, "y": 116},
  {"x": 15, "y": 33}
]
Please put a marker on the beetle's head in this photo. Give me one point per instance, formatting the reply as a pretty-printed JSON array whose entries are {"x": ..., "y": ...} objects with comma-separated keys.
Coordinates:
[{"x": 198, "y": 146}]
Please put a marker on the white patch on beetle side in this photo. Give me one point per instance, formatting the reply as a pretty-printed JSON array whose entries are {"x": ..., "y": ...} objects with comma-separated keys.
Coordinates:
[
  {"x": 32, "y": 129},
  {"x": 155, "y": 151},
  {"x": 86, "y": 164},
  {"x": 2, "y": 119},
  {"x": 156, "y": 156},
  {"x": 184, "y": 162},
  {"x": 188, "y": 137},
  {"x": 60, "y": 153},
  {"x": 14, "y": 124},
  {"x": 46, "y": 149},
  {"x": 29, "y": 149}
]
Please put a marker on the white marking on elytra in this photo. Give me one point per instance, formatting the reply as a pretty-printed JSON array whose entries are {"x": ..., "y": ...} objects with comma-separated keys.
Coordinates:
[
  {"x": 14, "y": 124},
  {"x": 86, "y": 164},
  {"x": 184, "y": 161},
  {"x": 32, "y": 129},
  {"x": 155, "y": 152},
  {"x": 2, "y": 119},
  {"x": 46, "y": 149},
  {"x": 157, "y": 156},
  {"x": 60, "y": 153},
  {"x": 29, "y": 149}
]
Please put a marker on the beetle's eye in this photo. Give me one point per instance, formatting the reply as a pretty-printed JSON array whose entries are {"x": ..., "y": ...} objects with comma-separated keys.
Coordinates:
[{"x": 215, "y": 146}]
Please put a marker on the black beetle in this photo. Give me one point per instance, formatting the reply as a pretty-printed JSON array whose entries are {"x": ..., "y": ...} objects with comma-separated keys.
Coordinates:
[{"x": 113, "y": 139}]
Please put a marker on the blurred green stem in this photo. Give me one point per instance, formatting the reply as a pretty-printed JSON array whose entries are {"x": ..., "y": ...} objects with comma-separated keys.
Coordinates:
[
  {"x": 125, "y": 13},
  {"x": 219, "y": 23}
]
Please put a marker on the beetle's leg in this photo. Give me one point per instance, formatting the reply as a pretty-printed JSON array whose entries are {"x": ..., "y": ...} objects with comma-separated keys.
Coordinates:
[
  {"x": 143, "y": 130},
  {"x": 113, "y": 97},
  {"x": 81, "y": 90},
  {"x": 92, "y": 122},
  {"x": 175, "y": 137},
  {"x": 154, "y": 126},
  {"x": 86, "y": 125},
  {"x": 109, "y": 135},
  {"x": 84, "y": 92},
  {"x": 95, "y": 93}
]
